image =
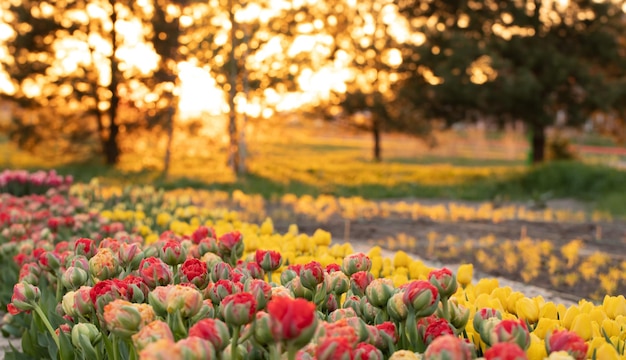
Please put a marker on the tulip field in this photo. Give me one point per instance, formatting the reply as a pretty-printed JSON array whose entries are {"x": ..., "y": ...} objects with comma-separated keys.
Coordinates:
[{"x": 98, "y": 272}]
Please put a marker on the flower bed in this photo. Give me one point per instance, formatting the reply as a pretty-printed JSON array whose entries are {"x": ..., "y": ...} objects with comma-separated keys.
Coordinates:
[{"x": 136, "y": 276}]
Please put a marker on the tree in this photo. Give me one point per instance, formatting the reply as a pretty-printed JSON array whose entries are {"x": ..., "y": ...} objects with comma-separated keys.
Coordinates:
[
  {"x": 66, "y": 71},
  {"x": 517, "y": 60}
]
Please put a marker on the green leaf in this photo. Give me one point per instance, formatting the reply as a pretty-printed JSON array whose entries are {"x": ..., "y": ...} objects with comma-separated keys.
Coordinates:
[{"x": 67, "y": 351}]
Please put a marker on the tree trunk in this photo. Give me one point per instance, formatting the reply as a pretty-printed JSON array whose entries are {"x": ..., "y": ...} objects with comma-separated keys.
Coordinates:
[
  {"x": 168, "y": 148},
  {"x": 111, "y": 148},
  {"x": 376, "y": 135},
  {"x": 538, "y": 143},
  {"x": 233, "y": 148}
]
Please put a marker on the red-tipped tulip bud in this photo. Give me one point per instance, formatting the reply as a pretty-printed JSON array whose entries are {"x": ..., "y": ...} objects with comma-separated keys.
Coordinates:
[
  {"x": 268, "y": 260},
  {"x": 85, "y": 247},
  {"x": 331, "y": 304},
  {"x": 359, "y": 282},
  {"x": 130, "y": 255},
  {"x": 206, "y": 246},
  {"x": 338, "y": 282},
  {"x": 483, "y": 314},
  {"x": 379, "y": 291},
  {"x": 437, "y": 328},
  {"x": 311, "y": 275},
  {"x": 287, "y": 275},
  {"x": 262, "y": 331},
  {"x": 487, "y": 328},
  {"x": 341, "y": 314},
  {"x": 238, "y": 309},
  {"x": 211, "y": 259},
  {"x": 155, "y": 272},
  {"x": 50, "y": 260},
  {"x": 396, "y": 308},
  {"x": 293, "y": 320},
  {"x": 261, "y": 290},
  {"x": 221, "y": 271},
  {"x": 82, "y": 304},
  {"x": 78, "y": 261},
  {"x": 173, "y": 253},
  {"x": 354, "y": 303},
  {"x": 369, "y": 312},
  {"x": 195, "y": 271},
  {"x": 567, "y": 341},
  {"x": 195, "y": 348},
  {"x": 448, "y": 347},
  {"x": 152, "y": 332},
  {"x": 74, "y": 277},
  {"x": 458, "y": 315},
  {"x": 360, "y": 327},
  {"x": 213, "y": 330},
  {"x": 25, "y": 296},
  {"x": 104, "y": 265},
  {"x": 365, "y": 351},
  {"x": 222, "y": 289},
  {"x": 511, "y": 331},
  {"x": 334, "y": 348},
  {"x": 201, "y": 233},
  {"x": 231, "y": 243},
  {"x": 508, "y": 351},
  {"x": 421, "y": 298},
  {"x": 387, "y": 335},
  {"x": 295, "y": 285},
  {"x": 445, "y": 281},
  {"x": 254, "y": 271},
  {"x": 356, "y": 262}
]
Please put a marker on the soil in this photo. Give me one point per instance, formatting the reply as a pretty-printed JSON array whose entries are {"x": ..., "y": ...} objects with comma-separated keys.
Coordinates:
[{"x": 608, "y": 238}]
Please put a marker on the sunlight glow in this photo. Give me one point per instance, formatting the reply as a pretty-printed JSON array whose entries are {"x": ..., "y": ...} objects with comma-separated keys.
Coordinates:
[{"x": 199, "y": 92}]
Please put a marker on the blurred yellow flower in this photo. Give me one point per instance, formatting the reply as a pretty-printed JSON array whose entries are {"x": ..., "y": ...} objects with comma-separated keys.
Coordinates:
[{"x": 465, "y": 274}]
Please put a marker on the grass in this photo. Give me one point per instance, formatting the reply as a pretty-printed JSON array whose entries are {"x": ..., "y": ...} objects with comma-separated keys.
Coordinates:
[{"x": 341, "y": 168}]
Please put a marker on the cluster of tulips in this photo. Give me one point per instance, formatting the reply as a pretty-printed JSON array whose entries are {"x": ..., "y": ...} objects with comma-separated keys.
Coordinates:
[
  {"x": 22, "y": 182},
  {"x": 138, "y": 277}
]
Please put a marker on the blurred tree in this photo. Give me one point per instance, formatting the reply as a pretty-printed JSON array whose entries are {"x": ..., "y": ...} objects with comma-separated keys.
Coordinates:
[
  {"x": 529, "y": 60},
  {"x": 63, "y": 71}
]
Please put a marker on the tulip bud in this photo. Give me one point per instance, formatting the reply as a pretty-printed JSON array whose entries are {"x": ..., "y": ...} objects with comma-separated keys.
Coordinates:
[
  {"x": 124, "y": 319},
  {"x": 386, "y": 336},
  {"x": 152, "y": 332},
  {"x": 379, "y": 291},
  {"x": 436, "y": 328},
  {"x": 292, "y": 320},
  {"x": 222, "y": 289},
  {"x": 67, "y": 303},
  {"x": 366, "y": 351},
  {"x": 221, "y": 271},
  {"x": 369, "y": 312},
  {"x": 194, "y": 271},
  {"x": 173, "y": 253},
  {"x": 230, "y": 245},
  {"x": 354, "y": 303},
  {"x": 207, "y": 245},
  {"x": 85, "y": 247},
  {"x": 78, "y": 261},
  {"x": 195, "y": 348},
  {"x": 421, "y": 297},
  {"x": 311, "y": 275},
  {"x": 295, "y": 285},
  {"x": 163, "y": 349},
  {"x": 458, "y": 315},
  {"x": 84, "y": 335},
  {"x": 155, "y": 272},
  {"x": 183, "y": 299},
  {"x": 568, "y": 341},
  {"x": 130, "y": 255},
  {"x": 261, "y": 290},
  {"x": 82, "y": 303},
  {"x": 157, "y": 298},
  {"x": 338, "y": 282},
  {"x": 213, "y": 330},
  {"x": 24, "y": 297},
  {"x": 486, "y": 329},
  {"x": 103, "y": 265},
  {"x": 268, "y": 260},
  {"x": 287, "y": 275},
  {"x": 336, "y": 348},
  {"x": 238, "y": 309},
  {"x": 396, "y": 308},
  {"x": 445, "y": 282},
  {"x": 356, "y": 262},
  {"x": 359, "y": 282},
  {"x": 484, "y": 314},
  {"x": 448, "y": 347},
  {"x": 262, "y": 331},
  {"x": 505, "y": 351},
  {"x": 511, "y": 331},
  {"x": 341, "y": 314},
  {"x": 50, "y": 260},
  {"x": 360, "y": 327},
  {"x": 74, "y": 277}
]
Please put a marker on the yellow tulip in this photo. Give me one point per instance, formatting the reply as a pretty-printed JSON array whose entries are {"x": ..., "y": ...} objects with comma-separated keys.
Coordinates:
[
  {"x": 597, "y": 315},
  {"x": 582, "y": 325},
  {"x": 594, "y": 344},
  {"x": 571, "y": 313},
  {"x": 401, "y": 259},
  {"x": 548, "y": 310},
  {"x": 614, "y": 306},
  {"x": 611, "y": 327},
  {"x": 486, "y": 286},
  {"x": 501, "y": 293},
  {"x": 527, "y": 309},
  {"x": 607, "y": 351},
  {"x": 511, "y": 301},
  {"x": 465, "y": 274},
  {"x": 537, "y": 348},
  {"x": 545, "y": 326}
]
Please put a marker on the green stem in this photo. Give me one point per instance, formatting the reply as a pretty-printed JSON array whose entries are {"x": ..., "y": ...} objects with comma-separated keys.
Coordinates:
[
  {"x": 234, "y": 343},
  {"x": 444, "y": 305},
  {"x": 116, "y": 348},
  {"x": 59, "y": 294},
  {"x": 45, "y": 321},
  {"x": 275, "y": 351},
  {"x": 291, "y": 351},
  {"x": 269, "y": 276}
]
